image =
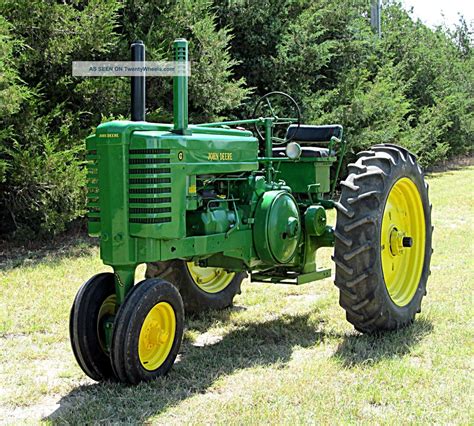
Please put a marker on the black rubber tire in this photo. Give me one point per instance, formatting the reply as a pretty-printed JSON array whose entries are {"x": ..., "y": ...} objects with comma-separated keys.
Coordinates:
[
  {"x": 357, "y": 254},
  {"x": 195, "y": 299},
  {"x": 83, "y": 326},
  {"x": 128, "y": 322}
]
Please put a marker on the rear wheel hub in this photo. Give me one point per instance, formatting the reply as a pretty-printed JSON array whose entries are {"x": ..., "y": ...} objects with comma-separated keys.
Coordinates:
[
  {"x": 210, "y": 280},
  {"x": 399, "y": 241}
]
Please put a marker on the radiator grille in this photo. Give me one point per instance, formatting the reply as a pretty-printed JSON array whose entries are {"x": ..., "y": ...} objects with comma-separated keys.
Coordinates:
[
  {"x": 149, "y": 160},
  {"x": 149, "y": 186},
  {"x": 93, "y": 209}
]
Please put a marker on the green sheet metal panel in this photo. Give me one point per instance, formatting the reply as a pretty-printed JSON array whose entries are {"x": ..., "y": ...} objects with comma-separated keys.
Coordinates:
[{"x": 306, "y": 171}]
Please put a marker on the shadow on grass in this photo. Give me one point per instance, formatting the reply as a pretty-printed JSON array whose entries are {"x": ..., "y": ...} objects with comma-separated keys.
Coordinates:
[
  {"x": 370, "y": 348},
  {"x": 250, "y": 345},
  {"x": 71, "y": 245}
]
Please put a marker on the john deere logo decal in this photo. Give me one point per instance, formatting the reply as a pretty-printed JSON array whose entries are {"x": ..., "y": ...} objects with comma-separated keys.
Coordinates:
[
  {"x": 109, "y": 135},
  {"x": 219, "y": 156}
]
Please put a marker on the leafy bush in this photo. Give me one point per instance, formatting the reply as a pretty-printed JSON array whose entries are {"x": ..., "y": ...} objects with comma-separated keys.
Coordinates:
[
  {"x": 12, "y": 92},
  {"x": 45, "y": 178},
  {"x": 46, "y": 188}
]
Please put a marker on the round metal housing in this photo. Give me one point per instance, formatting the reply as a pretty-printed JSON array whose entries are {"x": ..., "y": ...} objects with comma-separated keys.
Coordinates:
[{"x": 277, "y": 227}]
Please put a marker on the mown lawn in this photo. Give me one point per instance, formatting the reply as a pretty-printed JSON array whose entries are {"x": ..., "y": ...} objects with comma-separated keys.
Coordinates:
[{"x": 282, "y": 354}]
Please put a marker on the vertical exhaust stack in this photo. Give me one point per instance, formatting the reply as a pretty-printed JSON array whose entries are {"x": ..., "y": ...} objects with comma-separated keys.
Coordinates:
[
  {"x": 180, "y": 88},
  {"x": 138, "y": 83}
]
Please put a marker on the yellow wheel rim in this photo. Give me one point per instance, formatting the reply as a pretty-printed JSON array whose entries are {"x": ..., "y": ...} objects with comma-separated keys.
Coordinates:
[
  {"x": 157, "y": 336},
  {"x": 210, "y": 280},
  {"x": 108, "y": 307},
  {"x": 403, "y": 241}
]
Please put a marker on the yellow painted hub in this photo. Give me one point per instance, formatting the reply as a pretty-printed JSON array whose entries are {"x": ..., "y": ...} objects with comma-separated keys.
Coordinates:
[
  {"x": 210, "y": 280},
  {"x": 403, "y": 224},
  {"x": 157, "y": 336}
]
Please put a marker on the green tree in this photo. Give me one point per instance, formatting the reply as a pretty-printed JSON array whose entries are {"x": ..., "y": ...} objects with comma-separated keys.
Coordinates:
[
  {"x": 12, "y": 92},
  {"x": 43, "y": 185},
  {"x": 213, "y": 91},
  {"x": 412, "y": 87}
]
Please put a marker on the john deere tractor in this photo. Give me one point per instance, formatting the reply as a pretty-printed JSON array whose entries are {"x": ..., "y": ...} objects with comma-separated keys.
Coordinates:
[{"x": 207, "y": 205}]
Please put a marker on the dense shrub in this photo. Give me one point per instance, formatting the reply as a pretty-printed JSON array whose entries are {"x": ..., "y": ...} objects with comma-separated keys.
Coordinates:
[{"x": 46, "y": 187}]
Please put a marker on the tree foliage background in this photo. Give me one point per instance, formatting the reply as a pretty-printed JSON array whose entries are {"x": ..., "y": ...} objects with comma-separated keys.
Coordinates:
[{"x": 413, "y": 86}]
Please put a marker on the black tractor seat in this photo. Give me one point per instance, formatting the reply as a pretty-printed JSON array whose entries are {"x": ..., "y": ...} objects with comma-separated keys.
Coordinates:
[
  {"x": 308, "y": 133},
  {"x": 306, "y": 151},
  {"x": 310, "y": 136}
]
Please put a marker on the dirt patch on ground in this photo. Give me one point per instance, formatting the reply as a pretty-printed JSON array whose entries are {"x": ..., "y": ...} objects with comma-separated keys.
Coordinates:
[
  {"x": 32, "y": 413},
  {"x": 207, "y": 339}
]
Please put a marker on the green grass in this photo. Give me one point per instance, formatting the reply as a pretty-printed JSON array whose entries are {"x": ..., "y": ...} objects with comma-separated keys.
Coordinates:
[{"x": 283, "y": 354}]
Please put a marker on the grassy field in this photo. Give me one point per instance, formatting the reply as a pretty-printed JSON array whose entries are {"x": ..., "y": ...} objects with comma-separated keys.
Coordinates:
[{"x": 282, "y": 354}]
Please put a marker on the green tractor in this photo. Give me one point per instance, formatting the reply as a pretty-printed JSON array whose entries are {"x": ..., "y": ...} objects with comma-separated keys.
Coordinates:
[{"x": 207, "y": 205}]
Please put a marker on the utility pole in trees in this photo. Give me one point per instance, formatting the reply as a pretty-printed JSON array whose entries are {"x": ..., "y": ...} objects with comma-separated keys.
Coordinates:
[{"x": 375, "y": 13}]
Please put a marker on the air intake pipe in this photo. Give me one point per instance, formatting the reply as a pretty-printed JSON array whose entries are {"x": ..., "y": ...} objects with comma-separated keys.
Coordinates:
[
  {"x": 180, "y": 87},
  {"x": 138, "y": 83}
]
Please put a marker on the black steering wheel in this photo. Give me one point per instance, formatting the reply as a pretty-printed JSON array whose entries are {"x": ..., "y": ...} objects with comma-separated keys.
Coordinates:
[{"x": 284, "y": 111}]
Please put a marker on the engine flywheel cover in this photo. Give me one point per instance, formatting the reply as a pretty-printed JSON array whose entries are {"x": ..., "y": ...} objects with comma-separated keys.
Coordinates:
[{"x": 277, "y": 227}]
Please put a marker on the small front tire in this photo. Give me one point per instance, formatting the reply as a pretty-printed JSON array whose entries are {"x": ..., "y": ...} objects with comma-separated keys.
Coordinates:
[
  {"x": 93, "y": 302},
  {"x": 148, "y": 331}
]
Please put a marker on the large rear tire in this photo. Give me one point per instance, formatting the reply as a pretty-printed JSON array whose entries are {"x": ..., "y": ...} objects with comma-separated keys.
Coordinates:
[
  {"x": 200, "y": 288},
  {"x": 383, "y": 239}
]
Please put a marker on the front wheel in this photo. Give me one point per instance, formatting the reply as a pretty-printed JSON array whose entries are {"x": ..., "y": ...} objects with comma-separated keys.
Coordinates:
[
  {"x": 94, "y": 302},
  {"x": 148, "y": 331},
  {"x": 383, "y": 239},
  {"x": 200, "y": 288}
]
